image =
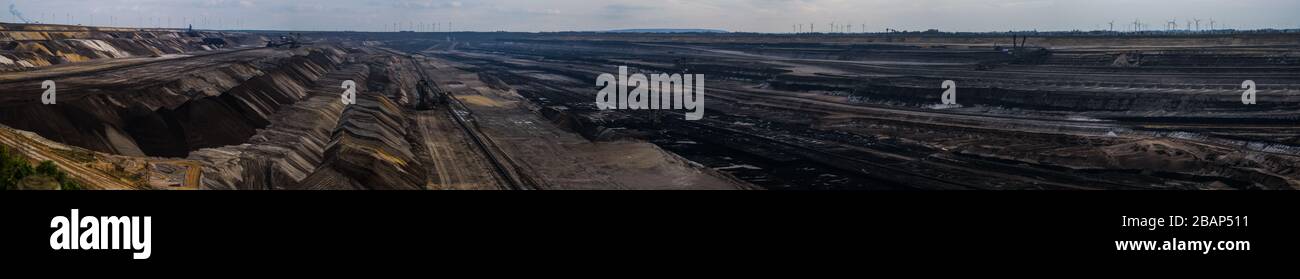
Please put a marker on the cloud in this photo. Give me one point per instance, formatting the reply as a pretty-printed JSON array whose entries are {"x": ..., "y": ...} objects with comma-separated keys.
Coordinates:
[
  {"x": 626, "y": 8},
  {"x": 218, "y": 3},
  {"x": 625, "y": 12},
  {"x": 426, "y": 4}
]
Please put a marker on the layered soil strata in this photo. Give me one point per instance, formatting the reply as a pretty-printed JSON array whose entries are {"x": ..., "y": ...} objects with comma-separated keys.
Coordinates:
[
  {"x": 27, "y": 46},
  {"x": 160, "y": 110}
]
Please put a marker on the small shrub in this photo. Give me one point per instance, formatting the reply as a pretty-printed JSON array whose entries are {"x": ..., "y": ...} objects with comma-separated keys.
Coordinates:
[{"x": 14, "y": 167}]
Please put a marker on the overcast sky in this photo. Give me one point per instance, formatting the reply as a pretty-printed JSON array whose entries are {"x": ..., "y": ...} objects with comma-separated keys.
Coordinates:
[{"x": 733, "y": 15}]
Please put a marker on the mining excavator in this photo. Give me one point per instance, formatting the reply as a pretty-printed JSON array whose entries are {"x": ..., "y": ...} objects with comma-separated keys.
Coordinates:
[
  {"x": 1018, "y": 53},
  {"x": 285, "y": 41},
  {"x": 430, "y": 96}
]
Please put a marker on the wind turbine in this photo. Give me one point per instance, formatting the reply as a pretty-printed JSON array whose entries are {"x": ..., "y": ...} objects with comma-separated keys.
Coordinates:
[
  {"x": 1173, "y": 24},
  {"x": 1112, "y": 26},
  {"x": 1211, "y": 24},
  {"x": 1198, "y": 23}
]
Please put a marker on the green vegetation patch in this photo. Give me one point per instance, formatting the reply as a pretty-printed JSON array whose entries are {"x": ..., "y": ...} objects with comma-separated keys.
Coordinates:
[{"x": 17, "y": 174}]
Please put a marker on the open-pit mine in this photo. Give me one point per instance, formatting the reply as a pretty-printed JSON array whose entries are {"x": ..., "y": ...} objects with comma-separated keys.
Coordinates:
[{"x": 204, "y": 109}]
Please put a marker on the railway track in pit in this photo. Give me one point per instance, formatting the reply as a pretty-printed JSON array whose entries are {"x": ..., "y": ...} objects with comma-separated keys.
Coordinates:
[
  {"x": 962, "y": 165},
  {"x": 915, "y": 179},
  {"x": 872, "y": 169},
  {"x": 917, "y": 115},
  {"x": 840, "y": 107},
  {"x": 957, "y": 72},
  {"x": 502, "y": 164},
  {"x": 1031, "y": 175},
  {"x": 876, "y": 170},
  {"x": 1034, "y": 173},
  {"x": 1035, "y": 125},
  {"x": 885, "y": 172}
]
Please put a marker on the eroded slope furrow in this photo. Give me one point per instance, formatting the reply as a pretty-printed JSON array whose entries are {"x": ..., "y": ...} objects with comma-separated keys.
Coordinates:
[
  {"x": 370, "y": 149},
  {"x": 288, "y": 149}
]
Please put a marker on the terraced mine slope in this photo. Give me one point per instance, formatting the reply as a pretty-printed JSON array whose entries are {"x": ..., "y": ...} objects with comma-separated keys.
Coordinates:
[{"x": 247, "y": 117}]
